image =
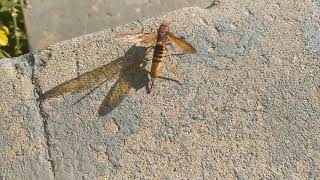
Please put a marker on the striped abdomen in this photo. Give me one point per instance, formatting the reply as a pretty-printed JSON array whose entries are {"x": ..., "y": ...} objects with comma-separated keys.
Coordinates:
[{"x": 158, "y": 55}]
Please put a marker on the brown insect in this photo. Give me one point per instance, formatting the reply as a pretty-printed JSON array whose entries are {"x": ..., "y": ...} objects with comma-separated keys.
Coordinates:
[
  {"x": 130, "y": 68},
  {"x": 159, "y": 42}
]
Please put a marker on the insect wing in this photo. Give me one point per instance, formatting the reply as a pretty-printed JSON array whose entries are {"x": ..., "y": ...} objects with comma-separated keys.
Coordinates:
[
  {"x": 184, "y": 45},
  {"x": 86, "y": 80},
  {"x": 140, "y": 39}
]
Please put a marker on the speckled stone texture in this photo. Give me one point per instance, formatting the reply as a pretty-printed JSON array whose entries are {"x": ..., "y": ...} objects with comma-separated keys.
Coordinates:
[{"x": 248, "y": 106}]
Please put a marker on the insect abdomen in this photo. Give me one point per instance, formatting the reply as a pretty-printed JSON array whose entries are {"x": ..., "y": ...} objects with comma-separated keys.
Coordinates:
[{"x": 158, "y": 56}]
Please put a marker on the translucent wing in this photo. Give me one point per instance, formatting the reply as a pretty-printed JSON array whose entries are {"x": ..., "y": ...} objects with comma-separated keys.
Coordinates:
[
  {"x": 86, "y": 80},
  {"x": 184, "y": 45},
  {"x": 99, "y": 75},
  {"x": 140, "y": 39}
]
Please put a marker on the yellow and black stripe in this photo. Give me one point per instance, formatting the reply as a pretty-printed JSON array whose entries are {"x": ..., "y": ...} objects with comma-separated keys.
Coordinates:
[
  {"x": 158, "y": 53},
  {"x": 158, "y": 56}
]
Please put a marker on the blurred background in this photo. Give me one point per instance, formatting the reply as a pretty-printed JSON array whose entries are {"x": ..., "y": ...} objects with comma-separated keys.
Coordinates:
[{"x": 26, "y": 25}]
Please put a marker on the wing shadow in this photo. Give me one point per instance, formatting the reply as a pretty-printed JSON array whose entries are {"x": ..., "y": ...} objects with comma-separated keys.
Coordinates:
[{"x": 132, "y": 74}]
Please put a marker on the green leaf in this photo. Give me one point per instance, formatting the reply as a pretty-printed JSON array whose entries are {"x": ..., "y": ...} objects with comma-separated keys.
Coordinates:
[
  {"x": 4, "y": 54},
  {"x": 6, "y": 3},
  {"x": 4, "y": 9}
]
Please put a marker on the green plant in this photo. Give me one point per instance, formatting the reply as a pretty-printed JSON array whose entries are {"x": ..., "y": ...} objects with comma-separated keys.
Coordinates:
[{"x": 13, "y": 39}]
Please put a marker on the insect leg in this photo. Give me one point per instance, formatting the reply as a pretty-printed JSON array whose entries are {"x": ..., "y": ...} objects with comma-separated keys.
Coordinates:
[
  {"x": 150, "y": 86},
  {"x": 148, "y": 51},
  {"x": 169, "y": 79}
]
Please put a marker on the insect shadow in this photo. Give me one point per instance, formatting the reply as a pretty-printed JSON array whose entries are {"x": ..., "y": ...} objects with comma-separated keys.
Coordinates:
[{"x": 131, "y": 72}]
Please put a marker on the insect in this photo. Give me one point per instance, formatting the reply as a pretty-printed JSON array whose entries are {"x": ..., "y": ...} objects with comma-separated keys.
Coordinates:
[
  {"x": 159, "y": 40},
  {"x": 130, "y": 67}
]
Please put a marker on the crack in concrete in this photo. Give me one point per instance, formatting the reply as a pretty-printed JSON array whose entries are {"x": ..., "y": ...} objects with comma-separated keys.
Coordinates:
[
  {"x": 43, "y": 114},
  {"x": 204, "y": 20},
  {"x": 78, "y": 68}
]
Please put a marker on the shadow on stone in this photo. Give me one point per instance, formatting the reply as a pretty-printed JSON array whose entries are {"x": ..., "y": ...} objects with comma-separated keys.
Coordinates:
[{"x": 132, "y": 74}]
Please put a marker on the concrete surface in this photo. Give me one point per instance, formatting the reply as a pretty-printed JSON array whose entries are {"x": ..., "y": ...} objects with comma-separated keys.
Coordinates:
[
  {"x": 51, "y": 21},
  {"x": 248, "y": 106}
]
